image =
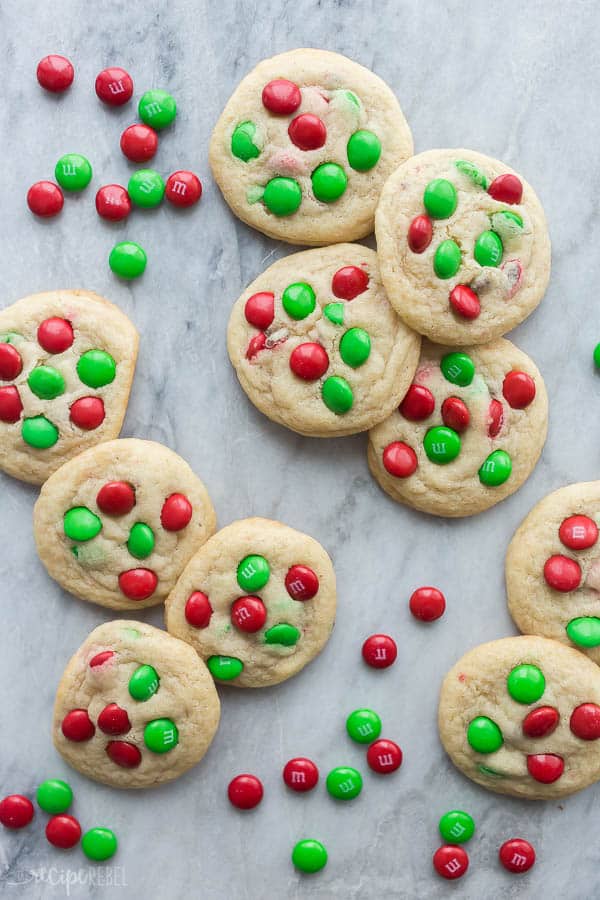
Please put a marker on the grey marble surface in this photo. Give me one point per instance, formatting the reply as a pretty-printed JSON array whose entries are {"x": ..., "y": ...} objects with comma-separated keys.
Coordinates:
[{"x": 515, "y": 80}]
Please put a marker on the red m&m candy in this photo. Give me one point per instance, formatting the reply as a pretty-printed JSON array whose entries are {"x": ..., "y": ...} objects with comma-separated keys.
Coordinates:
[
  {"x": 281, "y": 97},
  {"x": 384, "y": 756},
  {"x": 455, "y": 414},
  {"x": 379, "y": 651},
  {"x": 260, "y": 309},
  {"x": 540, "y": 722},
  {"x": 116, "y": 498},
  {"x": 506, "y": 188},
  {"x": 10, "y": 404},
  {"x": 11, "y": 363},
  {"x": 348, "y": 282},
  {"x": 101, "y": 658},
  {"x": 138, "y": 584},
  {"x": 418, "y": 403},
  {"x": 16, "y": 811},
  {"x": 124, "y": 754},
  {"x": 45, "y": 199},
  {"x": 516, "y": 855},
  {"x": 399, "y": 459},
  {"x": 496, "y": 417},
  {"x": 198, "y": 610},
  {"x": 248, "y": 614},
  {"x": 465, "y": 301},
  {"x": 256, "y": 344},
  {"x": 114, "y": 86},
  {"x": 113, "y": 203},
  {"x": 183, "y": 188},
  {"x": 55, "y": 73},
  {"x": 176, "y": 512},
  {"x": 427, "y": 604},
  {"x": 562, "y": 574},
  {"x": 77, "y": 726},
  {"x": 545, "y": 767},
  {"x": 55, "y": 335},
  {"x": 309, "y": 361},
  {"x": 87, "y": 413},
  {"x": 301, "y": 583},
  {"x": 450, "y": 861},
  {"x": 578, "y": 532},
  {"x": 139, "y": 143},
  {"x": 585, "y": 721},
  {"x": 114, "y": 720},
  {"x": 63, "y": 831},
  {"x": 420, "y": 232},
  {"x": 307, "y": 132},
  {"x": 518, "y": 389},
  {"x": 245, "y": 791},
  {"x": 300, "y": 774}
]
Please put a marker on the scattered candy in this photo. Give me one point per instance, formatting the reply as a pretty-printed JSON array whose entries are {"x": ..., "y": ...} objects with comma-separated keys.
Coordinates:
[
  {"x": 399, "y": 459},
  {"x": 99, "y": 844},
  {"x": 517, "y": 855},
  {"x": 139, "y": 143},
  {"x": 344, "y": 783},
  {"x": 483, "y": 735},
  {"x": 183, "y": 188},
  {"x": 63, "y": 831},
  {"x": 54, "y": 796},
  {"x": 309, "y": 856},
  {"x": 545, "y": 767},
  {"x": 420, "y": 233},
  {"x": 578, "y": 532},
  {"x": 585, "y": 721},
  {"x": 300, "y": 774},
  {"x": 526, "y": 683},
  {"x": 114, "y": 86},
  {"x": 127, "y": 260},
  {"x": 562, "y": 574},
  {"x": 540, "y": 722},
  {"x": 55, "y": 73},
  {"x": 157, "y": 108},
  {"x": 245, "y": 791},
  {"x": 450, "y": 861},
  {"x": 73, "y": 172},
  {"x": 16, "y": 811},
  {"x": 384, "y": 757},
  {"x": 440, "y": 198},
  {"x": 363, "y": 726},
  {"x": 427, "y": 604},
  {"x": 456, "y": 826},
  {"x": 45, "y": 199},
  {"x": 597, "y": 356},
  {"x": 281, "y": 97},
  {"x": 379, "y": 651},
  {"x": 146, "y": 188},
  {"x": 113, "y": 202}
]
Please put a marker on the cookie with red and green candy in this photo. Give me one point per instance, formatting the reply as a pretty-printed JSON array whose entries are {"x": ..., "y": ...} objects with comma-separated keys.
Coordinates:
[
  {"x": 553, "y": 569},
  {"x": 118, "y": 524},
  {"x": 305, "y": 144},
  {"x": 468, "y": 432},
  {"x": 135, "y": 707},
  {"x": 521, "y": 716},
  {"x": 256, "y": 602},
  {"x": 67, "y": 360},
  {"x": 316, "y": 345},
  {"x": 463, "y": 246}
]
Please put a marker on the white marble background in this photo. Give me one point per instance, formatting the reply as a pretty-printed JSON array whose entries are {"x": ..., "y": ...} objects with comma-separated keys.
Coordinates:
[{"x": 515, "y": 80}]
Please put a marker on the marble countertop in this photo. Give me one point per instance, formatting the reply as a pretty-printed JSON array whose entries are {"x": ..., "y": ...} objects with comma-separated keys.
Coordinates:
[{"x": 513, "y": 80}]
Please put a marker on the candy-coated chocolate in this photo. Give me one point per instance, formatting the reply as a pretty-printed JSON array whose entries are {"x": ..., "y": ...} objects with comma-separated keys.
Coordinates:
[
  {"x": 540, "y": 722},
  {"x": 114, "y": 86},
  {"x": 281, "y": 97},
  {"x": 256, "y": 344},
  {"x": 242, "y": 141},
  {"x": 329, "y": 181},
  {"x": 260, "y": 309},
  {"x": 344, "y": 783},
  {"x": 146, "y": 188},
  {"x": 585, "y": 721},
  {"x": 506, "y": 189},
  {"x": 245, "y": 791},
  {"x": 81, "y": 524},
  {"x": 284, "y": 634},
  {"x": 176, "y": 513},
  {"x": 309, "y": 361},
  {"x": 96, "y": 368},
  {"x": 138, "y": 584},
  {"x": 545, "y": 767},
  {"x": 116, "y": 498},
  {"x": 101, "y": 658},
  {"x": 300, "y": 774},
  {"x": 496, "y": 469},
  {"x": 562, "y": 574},
  {"x": 578, "y": 532},
  {"x": 363, "y": 150},
  {"x": 355, "y": 347},
  {"x": 507, "y": 224},
  {"x": 488, "y": 249},
  {"x": 87, "y": 413},
  {"x": 253, "y": 572},
  {"x": 77, "y": 726},
  {"x": 16, "y": 811},
  {"x": 334, "y": 312},
  {"x": 518, "y": 389},
  {"x": 73, "y": 172},
  {"x": 113, "y": 203},
  {"x": 10, "y": 404},
  {"x": 157, "y": 108},
  {"x": 526, "y": 683},
  {"x": 161, "y": 735},
  {"x": 124, "y": 754},
  {"x": 114, "y": 719},
  {"x": 450, "y": 861},
  {"x": 99, "y": 844},
  {"x": 54, "y": 796},
  {"x": 301, "y": 583},
  {"x": 440, "y": 198},
  {"x": 63, "y": 832},
  {"x": 46, "y": 382},
  {"x": 363, "y": 726},
  {"x": 139, "y": 143},
  {"x": 597, "y": 356},
  {"x": 455, "y": 414},
  {"x": 55, "y": 335},
  {"x": 225, "y": 668},
  {"x": 516, "y": 855},
  {"x": 55, "y": 73},
  {"x": 307, "y": 132},
  {"x": 447, "y": 259},
  {"x": 348, "y": 282},
  {"x": 45, "y": 199},
  {"x": 464, "y": 301},
  {"x": 420, "y": 233},
  {"x": 473, "y": 173},
  {"x": 183, "y": 188},
  {"x": 483, "y": 735},
  {"x": 399, "y": 459},
  {"x": 198, "y": 610},
  {"x": 337, "y": 395},
  {"x": 496, "y": 417},
  {"x": 418, "y": 403},
  {"x": 282, "y": 196},
  {"x": 39, "y": 432},
  {"x": 309, "y": 856},
  {"x": 442, "y": 444},
  {"x": 127, "y": 260},
  {"x": 144, "y": 683},
  {"x": 379, "y": 651},
  {"x": 248, "y": 614},
  {"x": 11, "y": 363},
  {"x": 427, "y": 604},
  {"x": 384, "y": 757},
  {"x": 584, "y": 631},
  {"x": 458, "y": 368},
  {"x": 456, "y": 826}
]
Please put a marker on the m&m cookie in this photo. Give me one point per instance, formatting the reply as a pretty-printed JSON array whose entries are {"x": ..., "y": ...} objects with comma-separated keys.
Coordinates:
[
  {"x": 468, "y": 432},
  {"x": 553, "y": 569},
  {"x": 317, "y": 346},
  {"x": 135, "y": 707},
  {"x": 67, "y": 360},
  {"x": 521, "y": 716},
  {"x": 304, "y": 146},
  {"x": 463, "y": 246},
  {"x": 117, "y": 524},
  {"x": 257, "y": 602}
]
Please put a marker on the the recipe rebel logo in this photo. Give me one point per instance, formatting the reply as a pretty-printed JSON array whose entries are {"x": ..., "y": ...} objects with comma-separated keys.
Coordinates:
[{"x": 90, "y": 876}]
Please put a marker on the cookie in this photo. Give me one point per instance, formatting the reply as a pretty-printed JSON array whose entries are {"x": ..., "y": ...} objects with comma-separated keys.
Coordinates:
[
  {"x": 521, "y": 716},
  {"x": 316, "y": 345},
  {"x": 463, "y": 246},
  {"x": 134, "y": 707},
  {"x": 118, "y": 524},
  {"x": 67, "y": 360},
  {"x": 304, "y": 146},
  {"x": 553, "y": 569},
  {"x": 468, "y": 432},
  {"x": 257, "y": 602}
]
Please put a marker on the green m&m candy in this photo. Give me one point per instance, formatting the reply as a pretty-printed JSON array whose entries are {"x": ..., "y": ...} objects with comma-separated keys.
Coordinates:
[
  {"x": 39, "y": 432},
  {"x": 225, "y": 668},
  {"x": 596, "y": 355},
  {"x": 447, "y": 259},
  {"x": 526, "y": 683},
  {"x": 284, "y": 634},
  {"x": 161, "y": 735},
  {"x": 242, "y": 142},
  {"x": 488, "y": 249},
  {"x": 491, "y": 773},
  {"x": 144, "y": 683},
  {"x": 146, "y": 188},
  {"x": 141, "y": 540},
  {"x": 355, "y": 347},
  {"x": 127, "y": 260},
  {"x": 157, "y": 109},
  {"x": 81, "y": 524},
  {"x": 496, "y": 469},
  {"x": 584, "y": 631},
  {"x": 483, "y": 735},
  {"x": 337, "y": 394},
  {"x": 335, "y": 313},
  {"x": 46, "y": 382},
  {"x": 440, "y": 198},
  {"x": 253, "y": 573},
  {"x": 458, "y": 368},
  {"x": 54, "y": 796},
  {"x": 363, "y": 726},
  {"x": 473, "y": 173},
  {"x": 441, "y": 444},
  {"x": 73, "y": 172},
  {"x": 282, "y": 196},
  {"x": 99, "y": 844},
  {"x": 309, "y": 856},
  {"x": 329, "y": 182},
  {"x": 507, "y": 224},
  {"x": 96, "y": 368},
  {"x": 363, "y": 150},
  {"x": 456, "y": 827},
  {"x": 298, "y": 300},
  {"x": 344, "y": 783}
]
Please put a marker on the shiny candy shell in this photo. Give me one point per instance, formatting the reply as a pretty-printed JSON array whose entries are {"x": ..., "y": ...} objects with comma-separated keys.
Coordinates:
[
  {"x": 307, "y": 132},
  {"x": 127, "y": 260},
  {"x": 11, "y": 363},
  {"x": 63, "y": 831},
  {"x": 116, "y": 498},
  {"x": 455, "y": 414},
  {"x": 399, "y": 459},
  {"x": 450, "y": 861},
  {"x": 545, "y": 767},
  {"x": 138, "y": 584},
  {"x": 176, "y": 513},
  {"x": 99, "y": 844},
  {"x": 183, "y": 188},
  {"x": 281, "y": 97},
  {"x": 540, "y": 722},
  {"x": 301, "y": 583},
  {"x": 578, "y": 532},
  {"x": 418, "y": 403},
  {"x": 300, "y": 774},
  {"x": 139, "y": 143},
  {"x": 113, "y": 203},
  {"x": 45, "y": 199},
  {"x": 55, "y": 73},
  {"x": 54, "y": 796},
  {"x": 506, "y": 189},
  {"x": 114, "y": 86},
  {"x": 427, "y": 604},
  {"x": 518, "y": 389},
  {"x": 465, "y": 301},
  {"x": 379, "y": 651},
  {"x": 55, "y": 335},
  {"x": 585, "y": 721},
  {"x": 249, "y": 614},
  {"x": 198, "y": 610},
  {"x": 309, "y": 361},
  {"x": 562, "y": 574},
  {"x": 516, "y": 855},
  {"x": 420, "y": 232},
  {"x": 259, "y": 309},
  {"x": 87, "y": 413},
  {"x": 384, "y": 757},
  {"x": 124, "y": 754},
  {"x": 16, "y": 811},
  {"x": 157, "y": 108},
  {"x": 10, "y": 404},
  {"x": 348, "y": 282},
  {"x": 245, "y": 791},
  {"x": 77, "y": 726},
  {"x": 114, "y": 720}
]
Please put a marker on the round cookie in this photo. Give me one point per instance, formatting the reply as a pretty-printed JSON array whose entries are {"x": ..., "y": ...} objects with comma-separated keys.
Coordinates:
[
  {"x": 257, "y": 602},
  {"x": 118, "y": 524},
  {"x": 468, "y": 432},
  {"x": 304, "y": 145},
  {"x": 134, "y": 707},
  {"x": 463, "y": 246},
  {"x": 316, "y": 345},
  {"x": 67, "y": 360},
  {"x": 553, "y": 569},
  {"x": 521, "y": 716}
]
